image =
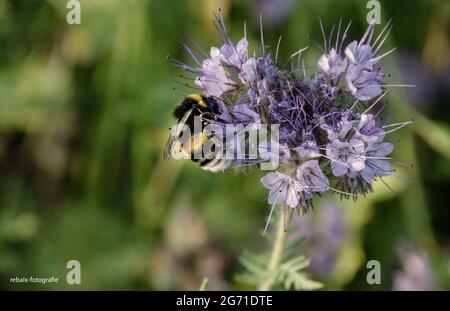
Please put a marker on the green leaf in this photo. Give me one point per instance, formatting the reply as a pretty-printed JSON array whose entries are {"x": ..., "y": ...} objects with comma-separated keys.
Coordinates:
[
  {"x": 290, "y": 275},
  {"x": 254, "y": 264}
]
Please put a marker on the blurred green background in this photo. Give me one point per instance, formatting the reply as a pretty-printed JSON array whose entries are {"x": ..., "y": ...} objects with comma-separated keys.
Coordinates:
[{"x": 85, "y": 111}]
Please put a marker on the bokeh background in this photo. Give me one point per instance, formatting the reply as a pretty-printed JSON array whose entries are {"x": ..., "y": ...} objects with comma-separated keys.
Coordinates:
[{"x": 85, "y": 111}]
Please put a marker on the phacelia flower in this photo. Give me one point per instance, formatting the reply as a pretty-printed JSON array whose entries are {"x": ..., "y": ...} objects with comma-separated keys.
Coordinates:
[
  {"x": 308, "y": 150},
  {"x": 311, "y": 177},
  {"x": 364, "y": 84},
  {"x": 367, "y": 129},
  {"x": 333, "y": 65},
  {"x": 214, "y": 78},
  {"x": 377, "y": 161},
  {"x": 346, "y": 157},
  {"x": 327, "y": 136},
  {"x": 285, "y": 189}
]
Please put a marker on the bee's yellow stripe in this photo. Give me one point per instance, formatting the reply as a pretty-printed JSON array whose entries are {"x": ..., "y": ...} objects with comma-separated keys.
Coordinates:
[
  {"x": 198, "y": 99},
  {"x": 196, "y": 142}
]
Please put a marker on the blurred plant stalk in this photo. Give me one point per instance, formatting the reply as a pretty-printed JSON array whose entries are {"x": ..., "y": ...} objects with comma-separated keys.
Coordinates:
[{"x": 276, "y": 256}]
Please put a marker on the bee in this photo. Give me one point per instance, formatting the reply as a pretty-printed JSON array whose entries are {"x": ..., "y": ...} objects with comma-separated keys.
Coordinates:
[{"x": 205, "y": 107}]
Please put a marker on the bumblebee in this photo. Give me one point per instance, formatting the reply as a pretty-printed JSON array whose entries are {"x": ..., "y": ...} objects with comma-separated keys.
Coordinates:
[{"x": 194, "y": 105}]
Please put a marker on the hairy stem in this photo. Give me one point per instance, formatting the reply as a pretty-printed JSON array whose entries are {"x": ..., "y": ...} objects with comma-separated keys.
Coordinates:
[{"x": 277, "y": 252}]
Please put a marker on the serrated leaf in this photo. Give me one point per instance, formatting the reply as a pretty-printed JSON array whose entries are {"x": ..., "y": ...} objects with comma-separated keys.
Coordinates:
[
  {"x": 253, "y": 264},
  {"x": 301, "y": 282},
  {"x": 290, "y": 276},
  {"x": 297, "y": 264}
]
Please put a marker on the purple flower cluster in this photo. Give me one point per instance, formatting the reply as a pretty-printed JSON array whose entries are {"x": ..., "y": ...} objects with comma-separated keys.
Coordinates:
[{"x": 330, "y": 136}]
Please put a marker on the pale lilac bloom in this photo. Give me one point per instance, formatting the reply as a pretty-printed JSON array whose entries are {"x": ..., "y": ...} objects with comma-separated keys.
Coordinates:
[
  {"x": 356, "y": 66},
  {"x": 308, "y": 150},
  {"x": 214, "y": 78},
  {"x": 363, "y": 53},
  {"x": 346, "y": 157},
  {"x": 363, "y": 81},
  {"x": 377, "y": 163},
  {"x": 360, "y": 55},
  {"x": 339, "y": 131},
  {"x": 364, "y": 84},
  {"x": 217, "y": 71},
  {"x": 312, "y": 178},
  {"x": 283, "y": 189},
  {"x": 235, "y": 55},
  {"x": 367, "y": 129},
  {"x": 249, "y": 73},
  {"x": 333, "y": 65}
]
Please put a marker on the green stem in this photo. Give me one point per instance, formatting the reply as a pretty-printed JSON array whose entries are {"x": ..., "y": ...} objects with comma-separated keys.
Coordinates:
[
  {"x": 204, "y": 285},
  {"x": 277, "y": 252}
]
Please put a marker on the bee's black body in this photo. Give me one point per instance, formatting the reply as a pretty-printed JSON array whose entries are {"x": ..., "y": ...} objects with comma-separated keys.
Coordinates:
[
  {"x": 194, "y": 106},
  {"x": 199, "y": 104},
  {"x": 206, "y": 104}
]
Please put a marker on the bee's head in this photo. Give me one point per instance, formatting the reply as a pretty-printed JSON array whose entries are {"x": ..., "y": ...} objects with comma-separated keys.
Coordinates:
[{"x": 211, "y": 102}]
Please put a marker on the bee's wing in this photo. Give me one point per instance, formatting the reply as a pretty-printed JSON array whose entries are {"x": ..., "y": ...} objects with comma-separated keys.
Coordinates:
[
  {"x": 168, "y": 147},
  {"x": 174, "y": 135}
]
